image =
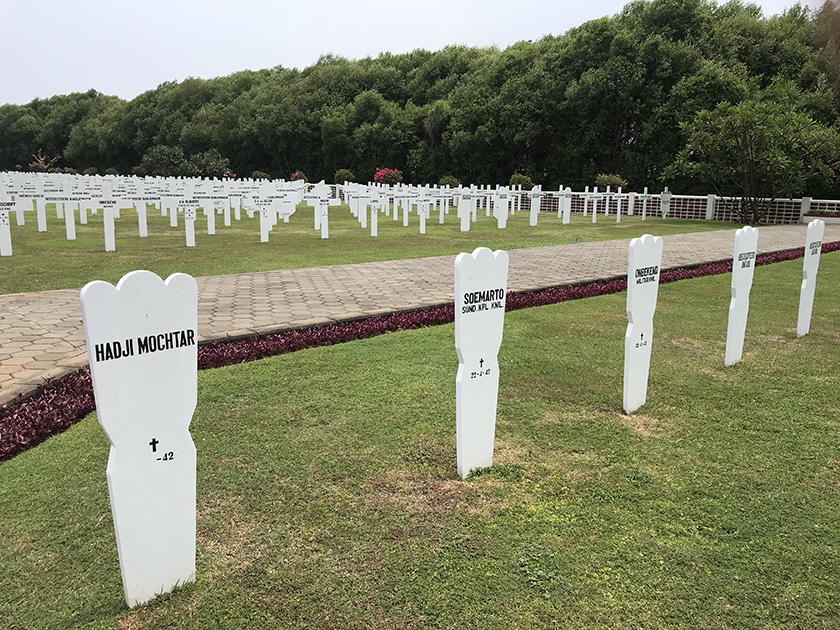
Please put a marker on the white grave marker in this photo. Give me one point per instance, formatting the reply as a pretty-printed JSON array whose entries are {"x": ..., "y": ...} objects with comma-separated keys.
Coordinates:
[
  {"x": 41, "y": 213},
  {"x": 642, "y": 290},
  {"x": 665, "y": 202},
  {"x": 70, "y": 222},
  {"x": 810, "y": 266},
  {"x": 535, "y": 194},
  {"x": 465, "y": 210},
  {"x": 743, "y": 266},
  {"x": 5, "y": 228},
  {"x": 374, "y": 218},
  {"x": 108, "y": 206},
  {"x": 142, "y": 219},
  {"x": 567, "y": 206},
  {"x": 189, "y": 225},
  {"x": 595, "y": 196},
  {"x": 141, "y": 339},
  {"x": 480, "y": 288}
]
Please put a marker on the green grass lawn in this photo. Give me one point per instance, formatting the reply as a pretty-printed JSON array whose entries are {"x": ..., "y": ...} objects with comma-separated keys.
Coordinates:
[
  {"x": 327, "y": 493},
  {"x": 47, "y": 260}
]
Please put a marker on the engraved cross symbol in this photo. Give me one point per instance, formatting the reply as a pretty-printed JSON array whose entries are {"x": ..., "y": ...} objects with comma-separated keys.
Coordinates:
[
  {"x": 481, "y": 363},
  {"x": 154, "y": 444}
]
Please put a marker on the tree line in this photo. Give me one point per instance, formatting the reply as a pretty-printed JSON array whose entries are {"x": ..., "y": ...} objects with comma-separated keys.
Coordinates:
[{"x": 620, "y": 94}]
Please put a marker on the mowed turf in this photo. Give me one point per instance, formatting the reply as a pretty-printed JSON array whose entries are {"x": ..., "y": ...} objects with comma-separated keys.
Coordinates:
[
  {"x": 47, "y": 260},
  {"x": 327, "y": 493}
]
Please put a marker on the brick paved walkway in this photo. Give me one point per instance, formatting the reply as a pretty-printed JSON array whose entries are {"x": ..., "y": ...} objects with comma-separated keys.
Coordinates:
[{"x": 41, "y": 333}]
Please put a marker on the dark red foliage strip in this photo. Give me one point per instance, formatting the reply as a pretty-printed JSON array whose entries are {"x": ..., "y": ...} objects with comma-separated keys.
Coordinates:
[
  {"x": 61, "y": 404},
  {"x": 68, "y": 399}
]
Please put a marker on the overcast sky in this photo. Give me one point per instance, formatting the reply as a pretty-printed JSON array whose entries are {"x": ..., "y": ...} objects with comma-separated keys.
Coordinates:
[{"x": 125, "y": 47}]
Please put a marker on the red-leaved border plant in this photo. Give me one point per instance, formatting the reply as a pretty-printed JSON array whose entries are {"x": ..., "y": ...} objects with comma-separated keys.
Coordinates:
[{"x": 27, "y": 422}]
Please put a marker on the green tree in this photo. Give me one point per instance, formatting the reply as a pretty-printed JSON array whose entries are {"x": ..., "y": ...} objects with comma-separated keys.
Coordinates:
[
  {"x": 755, "y": 152},
  {"x": 208, "y": 163},
  {"x": 161, "y": 160}
]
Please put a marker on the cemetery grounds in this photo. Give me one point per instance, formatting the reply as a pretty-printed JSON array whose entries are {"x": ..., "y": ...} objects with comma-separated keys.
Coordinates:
[
  {"x": 327, "y": 493},
  {"x": 46, "y": 260}
]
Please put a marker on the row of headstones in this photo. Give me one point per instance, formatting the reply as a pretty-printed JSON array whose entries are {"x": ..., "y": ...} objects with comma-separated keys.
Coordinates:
[
  {"x": 84, "y": 195},
  {"x": 21, "y": 192},
  {"x": 502, "y": 201},
  {"x": 480, "y": 284},
  {"x": 142, "y": 337}
]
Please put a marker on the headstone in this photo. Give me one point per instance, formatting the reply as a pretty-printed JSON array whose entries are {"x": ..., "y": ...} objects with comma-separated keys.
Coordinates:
[
  {"x": 210, "y": 212},
  {"x": 665, "y": 202},
  {"x": 323, "y": 210},
  {"x": 595, "y": 197},
  {"x": 173, "y": 213},
  {"x": 642, "y": 291},
  {"x": 480, "y": 292},
  {"x": 265, "y": 221},
  {"x": 465, "y": 210},
  {"x": 41, "y": 211},
  {"x": 70, "y": 222},
  {"x": 22, "y": 204},
  {"x": 535, "y": 195},
  {"x": 189, "y": 225},
  {"x": 619, "y": 197},
  {"x": 810, "y": 266},
  {"x": 374, "y": 218},
  {"x": 474, "y": 205},
  {"x": 645, "y": 196},
  {"x": 422, "y": 212},
  {"x": 5, "y": 227},
  {"x": 743, "y": 266},
  {"x": 567, "y": 207},
  {"x": 141, "y": 339},
  {"x": 108, "y": 205}
]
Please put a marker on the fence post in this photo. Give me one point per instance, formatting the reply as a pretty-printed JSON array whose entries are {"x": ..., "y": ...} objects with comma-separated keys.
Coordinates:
[
  {"x": 631, "y": 204},
  {"x": 804, "y": 208}
]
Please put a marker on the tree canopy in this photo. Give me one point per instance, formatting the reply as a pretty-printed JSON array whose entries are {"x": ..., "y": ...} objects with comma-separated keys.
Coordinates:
[{"x": 611, "y": 96}]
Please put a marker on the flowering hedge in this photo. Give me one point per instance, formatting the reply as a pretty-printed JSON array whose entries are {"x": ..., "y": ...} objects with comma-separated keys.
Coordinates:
[
  {"x": 389, "y": 176},
  {"x": 299, "y": 176},
  {"x": 64, "y": 401}
]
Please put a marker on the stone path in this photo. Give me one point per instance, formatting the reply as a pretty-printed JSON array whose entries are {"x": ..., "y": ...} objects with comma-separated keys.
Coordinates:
[{"x": 41, "y": 334}]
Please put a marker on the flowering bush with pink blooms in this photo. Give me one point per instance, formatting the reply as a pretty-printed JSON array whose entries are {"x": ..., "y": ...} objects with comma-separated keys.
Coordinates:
[
  {"x": 389, "y": 176},
  {"x": 299, "y": 176}
]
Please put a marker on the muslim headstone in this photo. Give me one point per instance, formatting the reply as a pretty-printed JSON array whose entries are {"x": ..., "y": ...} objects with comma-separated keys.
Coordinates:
[
  {"x": 6, "y": 205},
  {"x": 465, "y": 203},
  {"x": 189, "y": 224},
  {"x": 480, "y": 291},
  {"x": 665, "y": 202},
  {"x": 374, "y": 218},
  {"x": 810, "y": 266},
  {"x": 643, "y": 270},
  {"x": 108, "y": 205},
  {"x": 536, "y": 198},
  {"x": 743, "y": 266},
  {"x": 141, "y": 339}
]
